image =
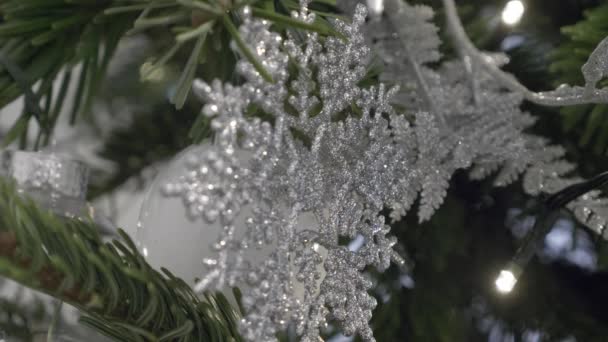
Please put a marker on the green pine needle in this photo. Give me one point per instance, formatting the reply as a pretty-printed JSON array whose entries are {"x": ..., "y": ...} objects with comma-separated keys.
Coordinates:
[
  {"x": 185, "y": 81},
  {"x": 119, "y": 294},
  {"x": 291, "y": 22}
]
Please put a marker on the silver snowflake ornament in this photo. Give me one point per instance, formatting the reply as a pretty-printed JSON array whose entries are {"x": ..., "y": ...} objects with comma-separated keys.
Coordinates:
[{"x": 331, "y": 155}]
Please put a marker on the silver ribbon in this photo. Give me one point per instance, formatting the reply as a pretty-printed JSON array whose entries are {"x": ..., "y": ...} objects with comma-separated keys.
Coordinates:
[{"x": 46, "y": 172}]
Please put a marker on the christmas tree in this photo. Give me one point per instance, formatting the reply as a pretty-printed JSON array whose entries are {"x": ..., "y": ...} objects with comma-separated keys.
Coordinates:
[{"x": 389, "y": 170}]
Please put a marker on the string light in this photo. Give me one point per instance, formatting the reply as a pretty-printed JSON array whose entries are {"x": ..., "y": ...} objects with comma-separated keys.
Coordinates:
[
  {"x": 550, "y": 212},
  {"x": 376, "y": 7},
  {"x": 513, "y": 12},
  {"x": 506, "y": 280}
]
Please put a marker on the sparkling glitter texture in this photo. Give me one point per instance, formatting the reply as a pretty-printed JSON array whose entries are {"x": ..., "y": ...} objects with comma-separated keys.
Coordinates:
[
  {"x": 211, "y": 186},
  {"x": 55, "y": 182},
  {"x": 339, "y": 152}
]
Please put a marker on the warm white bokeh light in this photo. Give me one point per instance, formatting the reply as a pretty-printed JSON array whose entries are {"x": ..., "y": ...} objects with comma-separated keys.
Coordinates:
[
  {"x": 513, "y": 12},
  {"x": 505, "y": 281},
  {"x": 375, "y": 7}
]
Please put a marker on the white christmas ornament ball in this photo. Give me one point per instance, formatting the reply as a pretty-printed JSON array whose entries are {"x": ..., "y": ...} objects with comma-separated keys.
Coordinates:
[
  {"x": 185, "y": 211},
  {"x": 171, "y": 233}
]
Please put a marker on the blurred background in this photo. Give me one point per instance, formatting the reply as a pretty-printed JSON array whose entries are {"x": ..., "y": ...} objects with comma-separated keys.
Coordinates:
[{"x": 133, "y": 130}]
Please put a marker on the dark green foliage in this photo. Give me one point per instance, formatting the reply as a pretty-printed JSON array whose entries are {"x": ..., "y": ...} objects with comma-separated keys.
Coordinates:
[
  {"x": 119, "y": 294},
  {"x": 151, "y": 138},
  {"x": 39, "y": 39},
  {"x": 587, "y": 122}
]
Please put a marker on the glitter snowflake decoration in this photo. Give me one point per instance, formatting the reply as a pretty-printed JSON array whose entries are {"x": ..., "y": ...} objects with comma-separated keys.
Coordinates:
[{"x": 332, "y": 154}]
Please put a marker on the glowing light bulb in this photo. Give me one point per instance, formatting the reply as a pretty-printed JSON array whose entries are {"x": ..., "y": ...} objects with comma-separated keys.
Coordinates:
[
  {"x": 513, "y": 12},
  {"x": 376, "y": 7},
  {"x": 506, "y": 281}
]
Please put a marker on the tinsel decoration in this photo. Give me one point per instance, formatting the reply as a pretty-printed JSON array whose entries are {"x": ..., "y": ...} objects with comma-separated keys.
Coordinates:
[
  {"x": 341, "y": 152},
  {"x": 55, "y": 182}
]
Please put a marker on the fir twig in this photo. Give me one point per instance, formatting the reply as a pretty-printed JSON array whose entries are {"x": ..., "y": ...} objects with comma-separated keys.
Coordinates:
[{"x": 120, "y": 295}]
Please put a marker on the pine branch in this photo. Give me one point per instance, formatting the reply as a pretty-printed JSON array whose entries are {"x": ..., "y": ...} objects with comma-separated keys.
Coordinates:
[
  {"x": 40, "y": 40},
  {"x": 119, "y": 294}
]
